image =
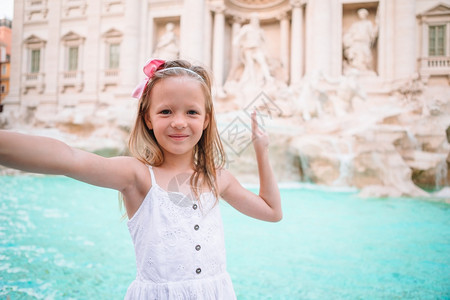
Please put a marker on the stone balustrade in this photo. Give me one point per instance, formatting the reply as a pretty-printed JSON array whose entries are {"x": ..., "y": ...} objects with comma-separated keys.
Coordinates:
[
  {"x": 110, "y": 77},
  {"x": 71, "y": 79},
  {"x": 33, "y": 81},
  {"x": 434, "y": 65},
  {"x": 436, "y": 62}
]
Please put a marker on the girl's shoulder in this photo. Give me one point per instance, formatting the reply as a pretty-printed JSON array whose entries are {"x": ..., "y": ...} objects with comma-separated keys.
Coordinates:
[
  {"x": 138, "y": 170},
  {"x": 224, "y": 179}
]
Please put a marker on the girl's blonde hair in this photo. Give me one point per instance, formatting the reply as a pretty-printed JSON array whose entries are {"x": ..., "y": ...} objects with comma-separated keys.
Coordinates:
[{"x": 208, "y": 153}]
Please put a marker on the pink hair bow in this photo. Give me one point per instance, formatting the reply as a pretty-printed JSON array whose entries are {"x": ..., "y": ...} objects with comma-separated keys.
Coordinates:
[{"x": 150, "y": 68}]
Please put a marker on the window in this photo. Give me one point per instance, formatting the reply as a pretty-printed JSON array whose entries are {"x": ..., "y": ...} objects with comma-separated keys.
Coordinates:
[
  {"x": 35, "y": 48},
  {"x": 35, "y": 60},
  {"x": 436, "y": 43},
  {"x": 114, "y": 56},
  {"x": 112, "y": 39},
  {"x": 73, "y": 59},
  {"x": 73, "y": 52},
  {"x": 3, "y": 69}
]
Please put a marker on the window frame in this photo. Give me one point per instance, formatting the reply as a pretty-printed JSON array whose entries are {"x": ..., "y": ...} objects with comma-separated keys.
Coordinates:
[
  {"x": 32, "y": 44},
  {"x": 71, "y": 41},
  {"x": 112, "y": 37},
  {"x": 113, "y": 57},
  {"x": 434, "y": 49}
]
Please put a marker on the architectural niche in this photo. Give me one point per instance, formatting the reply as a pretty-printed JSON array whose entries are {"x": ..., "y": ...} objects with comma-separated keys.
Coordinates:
[{"x": 360, "y": 37}]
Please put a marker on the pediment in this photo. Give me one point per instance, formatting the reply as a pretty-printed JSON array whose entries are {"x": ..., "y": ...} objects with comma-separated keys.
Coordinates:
[
  {"x": 112, "y": 33},
  {"x": 437, "y": 10},
  {"x": 71, "y": 36},
  {"x": 33, "y": 39}
]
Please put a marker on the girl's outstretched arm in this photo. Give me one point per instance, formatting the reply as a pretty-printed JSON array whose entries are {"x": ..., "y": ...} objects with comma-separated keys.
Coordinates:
[
  {"x": 49, "y": 156},
  {"x": 265, "y": 206}
]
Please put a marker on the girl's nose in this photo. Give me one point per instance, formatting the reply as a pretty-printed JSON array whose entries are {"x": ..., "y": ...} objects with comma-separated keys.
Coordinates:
[{"x": 179, "y": 122}]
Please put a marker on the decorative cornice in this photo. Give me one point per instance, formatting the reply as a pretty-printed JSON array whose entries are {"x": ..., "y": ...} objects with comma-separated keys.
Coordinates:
[
  {"x": 256, "y": 4},
  {"x": 283, "y": 16},
  {"x": 296, "y": 3},
  {"x": 218, "y": 8}
]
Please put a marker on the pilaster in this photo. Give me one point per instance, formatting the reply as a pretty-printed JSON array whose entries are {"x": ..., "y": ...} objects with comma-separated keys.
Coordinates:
[
  {"x": 318, "y": 55},
  {"x": 297, "y": 39},
  {"x": 130, "y": 65},
  {"x": 218, "y": 45},
  {"x": 284, "y": 42},
  {"x": 191, "y": 31},
  {"x": 405, "y": 42}
]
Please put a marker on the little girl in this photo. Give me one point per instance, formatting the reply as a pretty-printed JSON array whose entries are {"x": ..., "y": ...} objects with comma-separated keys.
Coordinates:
[{"x": 176, "y": 228}]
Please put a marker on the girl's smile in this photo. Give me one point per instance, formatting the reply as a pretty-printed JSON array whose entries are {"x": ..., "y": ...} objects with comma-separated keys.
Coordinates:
[
  {"x": 177, "y": 114},
  {"x": 179, "y": 137}
]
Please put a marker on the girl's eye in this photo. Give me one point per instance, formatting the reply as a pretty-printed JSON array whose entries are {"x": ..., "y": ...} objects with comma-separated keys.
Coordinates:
[
  {"x": 165, "y": 112},
  {"x": 192, "y": 112}
]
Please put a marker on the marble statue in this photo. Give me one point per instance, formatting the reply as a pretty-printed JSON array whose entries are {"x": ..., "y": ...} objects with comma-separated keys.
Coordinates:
[
  {"x": 250, "y": 40},
  {"x": 358, "y": 42},
  {"x": 349, "y": 89},
  {"x": 312, "y": 97},
  {"x": 167, "y": 46},
  {"x": 315, "y": 102}
]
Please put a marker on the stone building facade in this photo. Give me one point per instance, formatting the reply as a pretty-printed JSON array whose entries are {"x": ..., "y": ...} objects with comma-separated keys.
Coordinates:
[
  {"x": 360, "y": 87},
  {"x": 88, "y": 54}
]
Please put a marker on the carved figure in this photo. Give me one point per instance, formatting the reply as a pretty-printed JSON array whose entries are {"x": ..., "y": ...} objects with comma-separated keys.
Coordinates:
[
  {"x": 358, "y": 42},
  {"x": 312, "y": 97},
  {"x": 167, "y": 46},
  {"x": 349, "y": 88},
  {"x": 250, "y": 40}
]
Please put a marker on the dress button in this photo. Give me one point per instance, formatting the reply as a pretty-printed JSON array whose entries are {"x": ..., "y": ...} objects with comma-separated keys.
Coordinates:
[
  {"x": 196, "y": 227},
  {"x": 198, "y": 271},
  {"x": 194, "y": 206},
  {"x": 198, "y": 247}
]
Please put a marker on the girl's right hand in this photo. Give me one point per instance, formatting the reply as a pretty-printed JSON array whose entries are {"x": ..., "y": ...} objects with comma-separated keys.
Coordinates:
[{"x": 260, "y": 138}]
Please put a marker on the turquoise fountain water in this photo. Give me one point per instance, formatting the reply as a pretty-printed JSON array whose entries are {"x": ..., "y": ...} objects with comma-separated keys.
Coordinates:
[{"x": 62, "y": 239}]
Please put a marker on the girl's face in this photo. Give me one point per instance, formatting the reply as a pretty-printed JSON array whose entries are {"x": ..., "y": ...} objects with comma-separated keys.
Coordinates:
[{"x": 177, "y": 114}]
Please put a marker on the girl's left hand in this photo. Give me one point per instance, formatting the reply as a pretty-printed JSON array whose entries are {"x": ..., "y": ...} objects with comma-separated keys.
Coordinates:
[{"x": 260, "y": 138}]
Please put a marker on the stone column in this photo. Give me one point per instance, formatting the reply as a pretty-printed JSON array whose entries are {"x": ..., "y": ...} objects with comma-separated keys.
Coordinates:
[
  {"x": 235, "y": 28},
  {"x": 296, "y": 42},
  {"x": 192, "y": 29},
  {"x": 284, "y": 43},
  {"x": 218, "y": 46},
  {"x": 405, "y": 41},
  {"x": 130, "y": 66}
]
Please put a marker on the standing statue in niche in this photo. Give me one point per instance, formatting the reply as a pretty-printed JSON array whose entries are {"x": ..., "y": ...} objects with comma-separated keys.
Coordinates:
[
  {"x": 250, "y": 40},
  {"x": 358, "y": 42},
  {"x": 167, "y": 46}
]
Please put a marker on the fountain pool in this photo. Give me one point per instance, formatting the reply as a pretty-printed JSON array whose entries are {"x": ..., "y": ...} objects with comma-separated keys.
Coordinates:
[{"x": 62, "y": 239}]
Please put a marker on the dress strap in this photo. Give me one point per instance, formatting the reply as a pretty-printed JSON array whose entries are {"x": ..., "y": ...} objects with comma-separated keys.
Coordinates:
[{"x": 152, "y": 175}]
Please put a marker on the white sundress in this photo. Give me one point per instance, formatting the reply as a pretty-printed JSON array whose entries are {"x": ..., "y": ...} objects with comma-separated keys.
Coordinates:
[{"x": 179, "y": 247}]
